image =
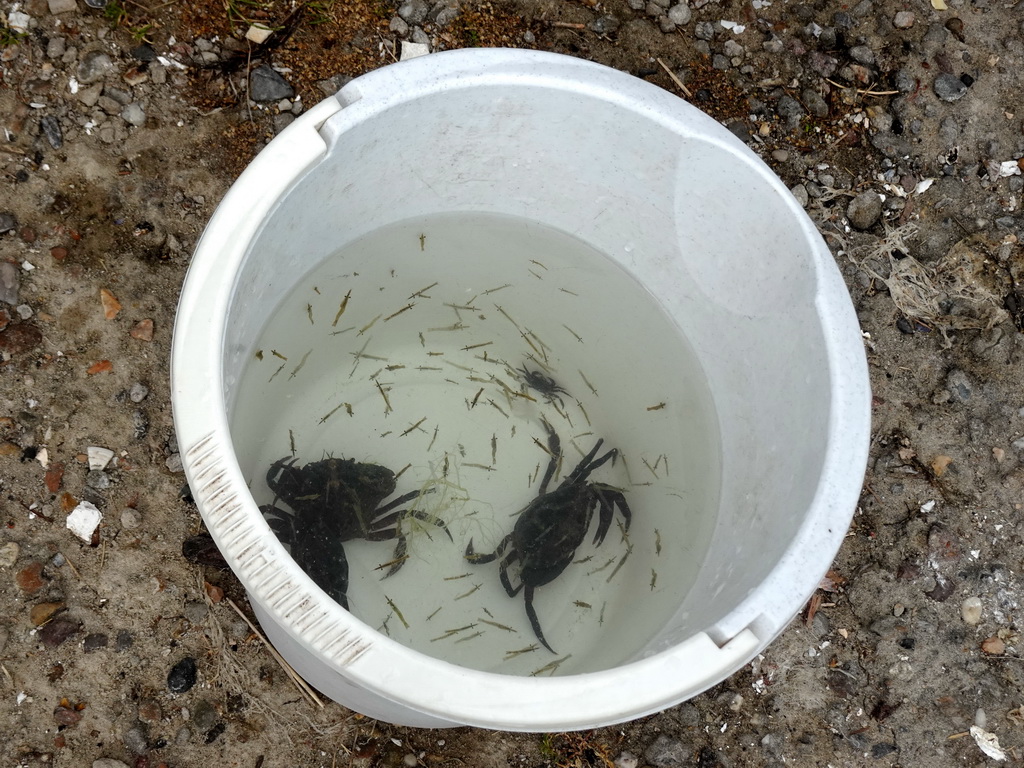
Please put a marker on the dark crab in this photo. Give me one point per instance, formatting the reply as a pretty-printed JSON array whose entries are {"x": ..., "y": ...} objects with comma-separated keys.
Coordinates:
[
  {"x": 545, "y": 385},
  {"x": 334, "y": 501},
  {"x": 551, "y": 528}
]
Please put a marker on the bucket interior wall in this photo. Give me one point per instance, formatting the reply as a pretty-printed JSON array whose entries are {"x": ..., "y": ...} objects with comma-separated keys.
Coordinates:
[{"x": 694, "y": 223}]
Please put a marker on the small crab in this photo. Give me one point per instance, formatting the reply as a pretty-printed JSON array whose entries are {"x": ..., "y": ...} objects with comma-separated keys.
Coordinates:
[
  {"x": 545, "y": 385},
  {"x": 334, "y": 501},
  {"x": 552, "y": 526}
]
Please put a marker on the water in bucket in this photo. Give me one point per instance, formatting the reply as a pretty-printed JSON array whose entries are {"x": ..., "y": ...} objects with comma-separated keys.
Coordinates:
[{"x": 471, "y": 356}]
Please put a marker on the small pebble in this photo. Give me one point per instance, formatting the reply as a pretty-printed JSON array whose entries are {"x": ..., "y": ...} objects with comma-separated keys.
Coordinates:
[
  {"x": 93, "y": 66},
  {"x": 196, "y": 611},
  {"x": 108, "y": 762},
  {"x": 10, "y": 282},
  {"x": 143, "y": 330},
  {"x": 680, "y": 14},
  {"x": 43, "y": 612},
  {"x": 135, "y": 741},
  {"x": 399, "y": 26},
  {"x": 666, "y": 752},
  {"x": 864, "y": 210},
  {"x": 204, "y": 716},
  {"x": 51, "y": 127},
  {"x": 993, "y": 646},
  {"x": 9, "y": 554},
  {"x": 134, "y": 115},
  {"x": 130, "y": 519},
  {"x": 66, "y": 715},
  {"x": 138, "y": 392},
  {"x": 182, "y": 676},
  {"x": 95, "y": 642},
  {"x": 627, "y": 760},
  {"x": 970, "y": 610},
  {"x": 904, "y": 19},
  {"x": 58, "y": 631},
  {"x": 149, "y": 711},
  {"x": 949, "y": 87},
  {"x": 266, "y": 85},
  {"x": 123, "y": 641},
  {"x": 30, "y": 578}
]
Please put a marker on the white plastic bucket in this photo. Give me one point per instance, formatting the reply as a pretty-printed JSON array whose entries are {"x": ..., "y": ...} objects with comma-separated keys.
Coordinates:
[{"x": 676, "y": 202}]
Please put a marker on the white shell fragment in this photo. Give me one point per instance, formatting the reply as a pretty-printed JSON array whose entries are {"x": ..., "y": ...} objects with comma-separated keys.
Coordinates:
[
  {"x": 257, "y": 33},
  {"x": 1009, "y": 168},
  {"x": 988, "y": 743},
  {"x": 412, "y": 50},
  {"x": 84, "y": 520},
  {"x": 99, "y": 457}
]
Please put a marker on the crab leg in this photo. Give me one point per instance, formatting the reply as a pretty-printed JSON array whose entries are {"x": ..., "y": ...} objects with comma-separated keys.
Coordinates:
[{"x": 532, "y": 615}]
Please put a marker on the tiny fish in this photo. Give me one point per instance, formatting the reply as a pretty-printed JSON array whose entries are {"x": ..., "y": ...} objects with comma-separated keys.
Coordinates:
[
  {"x": 341, "y": 309},
  {"x": 406, "y": 308},
  {"x": 420, "y": 294},
  {"x": 368, "y": 326},
  {"x": 309, "y": 312},
  {"x": 496, "y": 624},
  {"x": 657, "y": 407},
  {"x": 414, "y": 426},
  {"x": 527, "y": 649},
  {"x": 298, "y": 367},
  {"x": 550, "y": 668},
  {"x": 587, "y": 382},
  {"x": 398, "y": 613},
  {"x": 278, "y": 355}
]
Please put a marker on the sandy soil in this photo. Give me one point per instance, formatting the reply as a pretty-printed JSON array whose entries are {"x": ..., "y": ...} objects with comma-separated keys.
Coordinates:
[{"x": 122, "y": 128}]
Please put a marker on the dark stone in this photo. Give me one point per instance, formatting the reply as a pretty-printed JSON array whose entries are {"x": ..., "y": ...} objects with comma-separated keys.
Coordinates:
[
  {"x": 214, "y": 732},
  {"x": 124, "y": 641},
  {"x": 267, "y": 85},
  {"x": 144, "y": 52},
  {"x": 94, "y": 642},
  {"x": 58, "y": 630},
  {"x": 182, "y": 676},
  {"x": 882, "y": 749},
  {"x": 864, "y": 210},
  {"x": 944, "y": 589},
  {"x": 51, "y": 127},
  {"x": 7, "y": 223},
  {"x": 949, "y": 87}
]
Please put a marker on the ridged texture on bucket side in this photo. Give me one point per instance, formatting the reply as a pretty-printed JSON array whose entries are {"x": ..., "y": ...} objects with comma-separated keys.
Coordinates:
[{"x": 257, "y": 564}]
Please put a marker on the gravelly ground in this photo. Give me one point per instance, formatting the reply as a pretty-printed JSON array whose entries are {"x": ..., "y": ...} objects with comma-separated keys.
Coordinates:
[{"x": 899, "y": 124}]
